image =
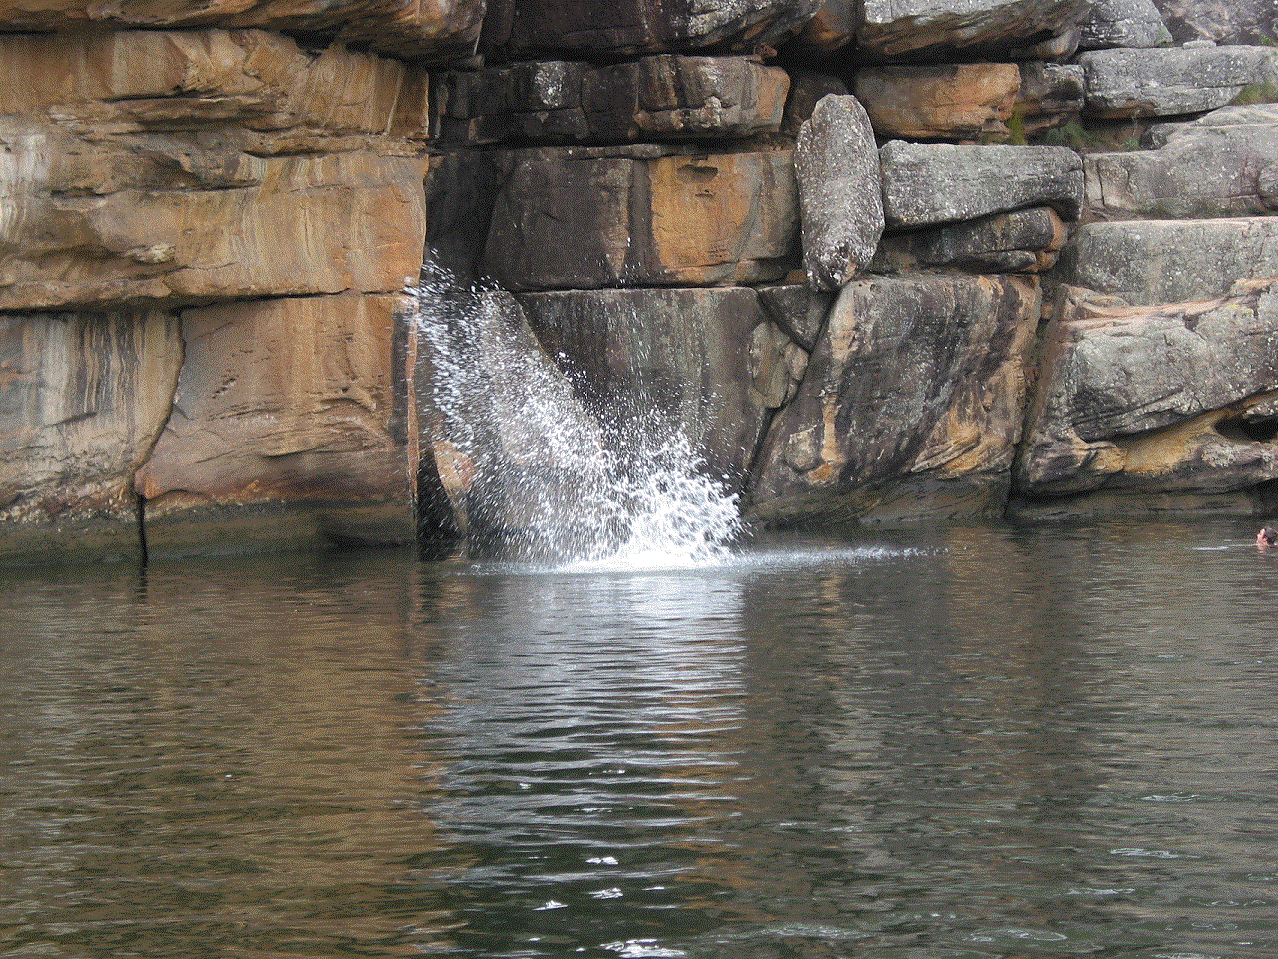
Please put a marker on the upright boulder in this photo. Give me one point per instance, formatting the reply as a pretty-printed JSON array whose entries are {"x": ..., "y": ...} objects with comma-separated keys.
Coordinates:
[{"x": 840, "y": 196}]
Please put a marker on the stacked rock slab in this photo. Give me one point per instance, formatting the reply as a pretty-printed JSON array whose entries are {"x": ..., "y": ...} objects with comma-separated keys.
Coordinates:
[{"x": 1155, "y": 390}]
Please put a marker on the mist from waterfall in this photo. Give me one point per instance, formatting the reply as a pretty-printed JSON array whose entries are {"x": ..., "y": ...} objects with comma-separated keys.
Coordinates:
[{"x": 540, "y": 477}]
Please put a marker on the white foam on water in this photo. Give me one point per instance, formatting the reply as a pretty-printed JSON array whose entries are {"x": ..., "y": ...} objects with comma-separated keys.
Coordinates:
[{"x": 635, "y": 496}]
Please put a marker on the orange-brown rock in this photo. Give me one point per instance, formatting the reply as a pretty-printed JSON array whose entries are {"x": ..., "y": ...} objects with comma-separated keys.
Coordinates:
[
  {"x": 160, "y": 219},
  {"x": 83, "y": 398},
  {"x": 587, "y": 219},
  {"x": 956, "y": 101},
  {"x": 191, "y": 79},
  {"x": 285, "y": 430}
]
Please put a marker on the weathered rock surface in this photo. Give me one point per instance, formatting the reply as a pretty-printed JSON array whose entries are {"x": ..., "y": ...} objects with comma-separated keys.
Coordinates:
[
  {"x": 831, "y": 28},
  {"x": 284, "y": 430},
  {"x": 891, "y": 28},
  {"x": 1024, "y": 241},
  {"x": 930, "y": 183},
  {"x": 1205, "y": 171},
  {"x": 666, "y": 97},
  {"x": 141, "y": 80},
  {"x": 1124, "y": 23},
  {"x": 1234, "y": 21},
  {"x": 88, "y": 221},
  {"x": 583, "y": 219},
  {"x": 1257, "y": 114},
  {"x": 1051, "y": 94},
  {"x": 1174, "y": 81},
  {"x": 948, "y": 101},
  {"x": 437, "y": 30},
  {"x": 798, "y": 310},
  {"x": 1169, "y": 261},
  {"x": 911, "y": 405},
  {"x": 836, "y": 164},
  {"x": 83, "y": 398},
  {"x": 524, "y": 29},
  {"x": 1176, "y": 397},
  {"x": 711, "y": 361}
]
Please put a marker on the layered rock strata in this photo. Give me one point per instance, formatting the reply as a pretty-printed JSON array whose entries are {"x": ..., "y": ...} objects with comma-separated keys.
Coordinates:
[{"x": 818, "y": 238}]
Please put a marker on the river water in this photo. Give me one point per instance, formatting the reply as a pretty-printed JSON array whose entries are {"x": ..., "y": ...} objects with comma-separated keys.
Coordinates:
[{"x": 953, "y": 744}]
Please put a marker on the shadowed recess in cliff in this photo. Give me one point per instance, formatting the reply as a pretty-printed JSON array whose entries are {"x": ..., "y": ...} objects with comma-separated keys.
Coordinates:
[{"x": 527, "y": 471}]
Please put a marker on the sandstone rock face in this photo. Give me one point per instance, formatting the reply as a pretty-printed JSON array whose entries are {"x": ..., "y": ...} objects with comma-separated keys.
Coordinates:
[
  {"x": 1145, "y": 83},
  {"x": 959, "y": 101},
  {"x": 83, "y": 398},
  {"x": 523, "y": 29},
  {"x": 840, "y": 198},
  {"x": 655, "y": 98},
  {"x": 891, "y": 28},
  {"x": 1169, "y": 261},
  {"x": 583, "y": 219},
  {"x": 1124, "y": 23},
  {"x": 88, "y": 223},
  {"x": 911, "y": 405},
  {"x": 284, "y": 430},
  {"x": 1205, "y": 171},
  {"x": 417, "y": 29},
  {"x": 711, "y": 361},
  {"x": 1025, "y": 241},
  {"x": 1175, "y": 397},
  {"x": 929, "y": 183},
  {"x": 186, "y": 80}
]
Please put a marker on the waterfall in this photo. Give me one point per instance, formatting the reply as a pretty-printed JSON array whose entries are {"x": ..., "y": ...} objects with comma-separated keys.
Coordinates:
[{"x": 532, "y": 472}]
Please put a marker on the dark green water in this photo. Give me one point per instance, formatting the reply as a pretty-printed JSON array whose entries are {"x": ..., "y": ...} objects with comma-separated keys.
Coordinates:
[{"x": 971, "y": 743}]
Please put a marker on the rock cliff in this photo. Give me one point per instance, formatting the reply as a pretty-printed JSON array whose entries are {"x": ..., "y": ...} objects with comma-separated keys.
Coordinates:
[{"x": 882, "y": 261}]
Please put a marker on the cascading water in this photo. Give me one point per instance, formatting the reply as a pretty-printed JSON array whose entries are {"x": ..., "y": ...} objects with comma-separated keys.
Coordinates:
[{"x": 535, "y": 472}]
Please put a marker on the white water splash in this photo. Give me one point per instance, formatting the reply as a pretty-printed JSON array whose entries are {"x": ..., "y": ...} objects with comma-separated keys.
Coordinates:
[{"x": 536, "y": 473}]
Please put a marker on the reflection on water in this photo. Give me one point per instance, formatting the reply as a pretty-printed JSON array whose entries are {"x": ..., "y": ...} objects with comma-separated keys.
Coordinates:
[{"x": 971, "y": 743}]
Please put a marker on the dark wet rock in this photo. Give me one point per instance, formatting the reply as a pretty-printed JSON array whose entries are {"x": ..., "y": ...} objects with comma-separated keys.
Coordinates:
[
  {"x": 656, "y": 98},
  {"x": 522, "y": 29},
  {"x": 711, "y": 361}
]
